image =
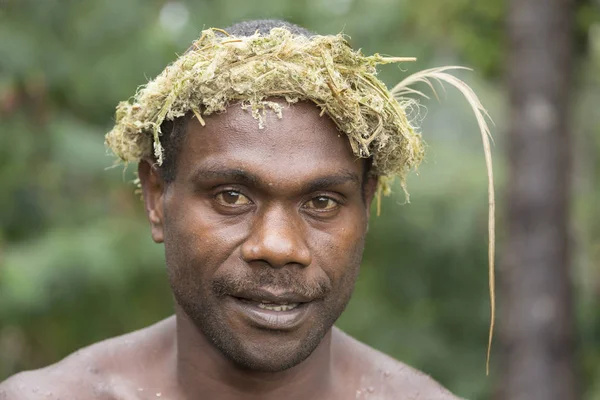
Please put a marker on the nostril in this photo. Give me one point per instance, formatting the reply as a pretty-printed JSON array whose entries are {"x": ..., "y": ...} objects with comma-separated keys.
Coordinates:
[
  {"x": 276, "y": 252},
  {"x": 277, "y": 239}
]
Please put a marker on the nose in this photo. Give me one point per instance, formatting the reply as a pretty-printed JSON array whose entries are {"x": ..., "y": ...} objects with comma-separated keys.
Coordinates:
[{"x": 277, "y": 238}]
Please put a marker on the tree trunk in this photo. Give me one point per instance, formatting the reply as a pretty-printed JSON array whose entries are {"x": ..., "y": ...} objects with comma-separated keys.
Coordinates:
[{"x": 537, "y": 318}]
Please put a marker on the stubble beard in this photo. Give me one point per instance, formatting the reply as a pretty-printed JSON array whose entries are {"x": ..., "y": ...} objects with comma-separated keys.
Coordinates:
[{"x": 205, "y": 313}]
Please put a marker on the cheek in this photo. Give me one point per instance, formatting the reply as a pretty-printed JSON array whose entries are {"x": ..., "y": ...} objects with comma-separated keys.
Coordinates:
[
  {"x": 198, "y": 241},
  {"x": 339, "y": 251}
]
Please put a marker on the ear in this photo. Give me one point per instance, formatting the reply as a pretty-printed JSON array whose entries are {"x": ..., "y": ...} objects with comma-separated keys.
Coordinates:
[
  {"x": 153, "y": 188},
  {"x": 370, "y": 187}
]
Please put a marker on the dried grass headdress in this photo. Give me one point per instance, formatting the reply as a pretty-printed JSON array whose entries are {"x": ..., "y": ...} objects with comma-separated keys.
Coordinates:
[{"x": 221, "y": 69}]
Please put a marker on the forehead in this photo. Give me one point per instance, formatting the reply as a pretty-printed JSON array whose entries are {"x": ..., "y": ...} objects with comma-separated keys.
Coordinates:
[{"x": 300, "y": 144}]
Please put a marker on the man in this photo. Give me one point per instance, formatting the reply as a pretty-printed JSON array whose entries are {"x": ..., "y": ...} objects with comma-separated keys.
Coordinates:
[{"x": 259, "y": 185}]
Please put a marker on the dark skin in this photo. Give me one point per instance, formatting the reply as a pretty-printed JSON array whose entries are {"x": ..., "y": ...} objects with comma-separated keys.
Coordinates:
[{"x": 264, "y": 233}]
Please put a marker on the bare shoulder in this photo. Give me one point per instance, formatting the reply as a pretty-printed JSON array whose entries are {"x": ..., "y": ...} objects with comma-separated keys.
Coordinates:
[
  {"x": 43, "y": 383},
  {"x": 380, "y": 376},
  {"x": 97, "y": 372},
  {"x": 73, "y": 377}
]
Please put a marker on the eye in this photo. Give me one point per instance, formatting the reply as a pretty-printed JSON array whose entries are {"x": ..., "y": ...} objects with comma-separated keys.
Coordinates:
[
  {"x": 321, "y": 203},
  {"x": 232, "y": 198}
]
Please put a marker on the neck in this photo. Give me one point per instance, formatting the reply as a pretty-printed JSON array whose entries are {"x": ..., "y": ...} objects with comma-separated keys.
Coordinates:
[{"x": 203, "y": 372}]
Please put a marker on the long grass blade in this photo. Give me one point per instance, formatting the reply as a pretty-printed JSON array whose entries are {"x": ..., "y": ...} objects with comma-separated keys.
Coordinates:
[{"x": 441, "y": 75}]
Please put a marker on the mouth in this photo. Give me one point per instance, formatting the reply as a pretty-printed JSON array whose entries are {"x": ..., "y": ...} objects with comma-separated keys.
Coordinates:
[
  {"x": 269, "y": 305},
  {"x": 283, "y": 313}
]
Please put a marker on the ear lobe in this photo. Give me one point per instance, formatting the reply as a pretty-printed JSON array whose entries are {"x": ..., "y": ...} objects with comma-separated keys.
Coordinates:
[{"x": 153, "y": 189}]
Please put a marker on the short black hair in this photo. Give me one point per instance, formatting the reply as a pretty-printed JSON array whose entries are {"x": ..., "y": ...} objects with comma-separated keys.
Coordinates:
[{"x": 173, "y": 132}]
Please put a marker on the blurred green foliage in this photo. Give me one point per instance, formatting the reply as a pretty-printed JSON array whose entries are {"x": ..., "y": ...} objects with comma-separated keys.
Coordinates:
[{"x": 76, "y": 261}]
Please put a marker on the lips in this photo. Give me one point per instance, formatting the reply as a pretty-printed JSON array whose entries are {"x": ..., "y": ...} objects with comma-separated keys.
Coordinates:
[
  {"x": 262, "y": 309},
  {"x": 277, "y": 297},
  {"x": 272, "y": 306}
]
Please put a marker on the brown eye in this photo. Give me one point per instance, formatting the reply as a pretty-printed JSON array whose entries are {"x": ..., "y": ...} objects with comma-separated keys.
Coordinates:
[
  {"x": 322, "y": 203},
  {"x": 232, "y": 198}
]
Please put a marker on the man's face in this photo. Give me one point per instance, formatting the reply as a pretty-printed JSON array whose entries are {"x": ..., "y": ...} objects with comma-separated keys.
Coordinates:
[{"x": 264, "y": 231}]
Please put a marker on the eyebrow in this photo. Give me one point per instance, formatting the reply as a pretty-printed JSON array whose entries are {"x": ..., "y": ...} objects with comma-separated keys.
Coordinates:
[
  {"x": 239, "y": 175},
  {"x": 328, "y": 181}
]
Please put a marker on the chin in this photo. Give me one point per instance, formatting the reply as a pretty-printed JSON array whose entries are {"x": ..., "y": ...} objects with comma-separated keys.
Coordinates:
[
  {"x": 255, "y": 345},
  {"x": 271, "y": 353},
  {"x": 252, "y": 346}
]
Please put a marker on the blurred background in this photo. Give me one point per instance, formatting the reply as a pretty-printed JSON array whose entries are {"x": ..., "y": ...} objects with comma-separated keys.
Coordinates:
[{"x": 77, "y": 263}]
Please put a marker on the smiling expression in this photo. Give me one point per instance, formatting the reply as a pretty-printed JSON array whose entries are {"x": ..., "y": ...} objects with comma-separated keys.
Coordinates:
[{"x": 263, "y": 230}]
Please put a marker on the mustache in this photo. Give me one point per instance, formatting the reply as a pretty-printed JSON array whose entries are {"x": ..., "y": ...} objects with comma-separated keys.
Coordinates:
[{"x": 281, "y": 280}]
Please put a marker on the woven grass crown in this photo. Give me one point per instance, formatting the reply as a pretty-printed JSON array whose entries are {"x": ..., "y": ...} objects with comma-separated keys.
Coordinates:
[{"x": 220, "y": 69}]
